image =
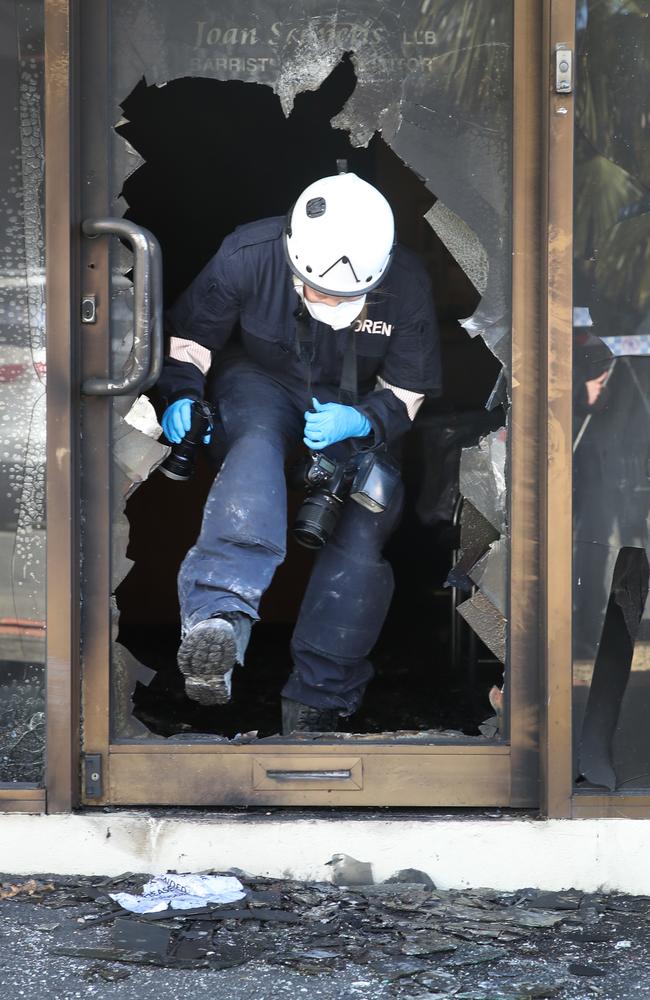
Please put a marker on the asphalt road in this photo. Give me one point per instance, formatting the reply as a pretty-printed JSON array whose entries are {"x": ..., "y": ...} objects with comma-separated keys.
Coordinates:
[{"x": 567, "y": 946}]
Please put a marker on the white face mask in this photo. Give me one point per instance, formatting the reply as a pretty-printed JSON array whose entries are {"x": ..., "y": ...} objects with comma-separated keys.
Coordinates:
[{"x": 338, "y": 316}]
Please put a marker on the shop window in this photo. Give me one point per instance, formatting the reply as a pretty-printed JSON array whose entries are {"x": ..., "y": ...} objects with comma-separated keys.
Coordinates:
[
  {"x": 611, "y": 624},
  {"x": 22, "y": 396}
]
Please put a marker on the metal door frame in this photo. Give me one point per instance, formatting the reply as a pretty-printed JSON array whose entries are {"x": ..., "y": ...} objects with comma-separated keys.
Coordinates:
[
  {"x": 491, "y": 774},
  {"x": 557, "y": 401},
  {"x": 62, "y": 490}
]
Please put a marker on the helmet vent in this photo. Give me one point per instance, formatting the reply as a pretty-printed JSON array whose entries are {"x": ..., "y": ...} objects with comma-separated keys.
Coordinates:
[{"x": 315, "y": 207}]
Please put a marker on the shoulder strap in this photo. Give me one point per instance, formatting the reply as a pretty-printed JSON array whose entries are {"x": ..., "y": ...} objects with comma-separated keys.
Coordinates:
[
  {"x": 305, "y": 347},
  {"x": 349, "y": 386},
  {"x": 306, "y": 350}
]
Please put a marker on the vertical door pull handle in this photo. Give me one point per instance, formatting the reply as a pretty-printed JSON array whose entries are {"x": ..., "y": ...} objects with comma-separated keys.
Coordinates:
[{"x": 146, "y": 358}]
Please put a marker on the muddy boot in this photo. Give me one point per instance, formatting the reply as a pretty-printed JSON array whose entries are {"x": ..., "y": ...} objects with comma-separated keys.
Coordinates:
[
  {"x": 299, "y": 718},
  {"x": 207, "y": 656}
]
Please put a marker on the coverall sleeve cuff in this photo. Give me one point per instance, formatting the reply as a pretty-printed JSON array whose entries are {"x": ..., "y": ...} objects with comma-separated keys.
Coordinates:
[
  {"x": 184, "y": 394},
  {"x": 377, "y": 434}
]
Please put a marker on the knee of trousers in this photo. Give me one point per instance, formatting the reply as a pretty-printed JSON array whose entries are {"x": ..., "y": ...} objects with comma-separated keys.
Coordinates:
[
  {"x": 248, "y": 527},
  {"x": 364, "y": 532},
  {"x": 248, "y": 502},
  {"x": 257, "y": 444},
  {"x": 344, "y": 609}
]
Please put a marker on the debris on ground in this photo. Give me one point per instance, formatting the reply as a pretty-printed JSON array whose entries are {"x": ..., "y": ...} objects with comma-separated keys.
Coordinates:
[
  {"x": 181, "y": 892},
  {"x": 399, "y": 938},
  {"x": 31, "y": 888}
]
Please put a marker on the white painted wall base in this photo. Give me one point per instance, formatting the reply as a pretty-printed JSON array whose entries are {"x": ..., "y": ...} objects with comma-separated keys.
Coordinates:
[{"x": 505, "y": 853}]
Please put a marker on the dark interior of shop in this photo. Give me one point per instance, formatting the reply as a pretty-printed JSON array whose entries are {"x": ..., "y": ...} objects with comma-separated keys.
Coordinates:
[{"x": 216, "y": 155}]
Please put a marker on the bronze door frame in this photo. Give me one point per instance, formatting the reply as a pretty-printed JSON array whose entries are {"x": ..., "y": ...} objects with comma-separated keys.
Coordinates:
[
  {"x": 503, "y": 774},
  {"x": 61, "y": 215},
  {"x": 557, "y": 525}
]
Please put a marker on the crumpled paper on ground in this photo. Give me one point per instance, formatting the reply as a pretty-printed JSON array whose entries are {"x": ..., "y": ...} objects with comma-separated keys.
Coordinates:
[{"x": 181, "y": 892}]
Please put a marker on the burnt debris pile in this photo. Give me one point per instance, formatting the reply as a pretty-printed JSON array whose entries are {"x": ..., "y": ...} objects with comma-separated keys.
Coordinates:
[{"x": 398, "y": 938}]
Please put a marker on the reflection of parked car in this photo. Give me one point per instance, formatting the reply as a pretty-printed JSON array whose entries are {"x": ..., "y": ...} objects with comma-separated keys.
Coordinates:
[
  {"x": 22, "y": 507},
  {"x": 22, "y": 437},
  {"x": 22, "y": 640}
]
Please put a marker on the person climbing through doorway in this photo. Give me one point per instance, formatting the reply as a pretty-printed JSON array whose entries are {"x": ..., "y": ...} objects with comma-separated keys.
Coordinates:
[{"x": 337, "y": 347}]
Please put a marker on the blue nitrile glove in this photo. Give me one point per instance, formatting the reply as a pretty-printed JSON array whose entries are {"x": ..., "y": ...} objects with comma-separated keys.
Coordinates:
[
  {"x": 177, "y": 420},
  {"x": 332, "y": 422}
]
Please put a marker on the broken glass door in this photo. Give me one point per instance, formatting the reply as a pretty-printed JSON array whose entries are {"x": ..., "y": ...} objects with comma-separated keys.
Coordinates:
[{"x": 210, "y": 120}]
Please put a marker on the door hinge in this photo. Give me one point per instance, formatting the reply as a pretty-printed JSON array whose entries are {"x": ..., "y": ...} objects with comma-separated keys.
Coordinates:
[
  {"x": 93, "y": 776},
  {"x": 563, "y": 69}
]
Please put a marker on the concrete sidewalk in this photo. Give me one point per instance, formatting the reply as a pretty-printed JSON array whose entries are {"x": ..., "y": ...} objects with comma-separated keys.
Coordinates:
[{"x": 499, "y": 849}]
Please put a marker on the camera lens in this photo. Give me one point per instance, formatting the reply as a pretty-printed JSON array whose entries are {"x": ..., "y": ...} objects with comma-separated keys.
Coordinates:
[{"x": 316, "y": 520}]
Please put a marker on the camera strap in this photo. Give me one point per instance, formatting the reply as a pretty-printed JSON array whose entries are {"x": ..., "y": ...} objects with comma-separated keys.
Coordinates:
[
  {"x": 349, "y": 386},
  {"x": 305, "y": 346},
  {"x": 306, "y": 351}
]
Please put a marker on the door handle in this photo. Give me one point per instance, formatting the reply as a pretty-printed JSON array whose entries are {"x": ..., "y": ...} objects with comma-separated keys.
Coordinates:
[
  {"x": 344, "y": 774},
  {"x": 308, "y": 773},
  {"x": 146, "y": 358}
]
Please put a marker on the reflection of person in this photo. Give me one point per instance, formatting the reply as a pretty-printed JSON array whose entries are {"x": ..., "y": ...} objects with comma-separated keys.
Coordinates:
[
  {"x": 593, "y": 364},
  {"x": 610, "y": 568},
  {"x": 594, "y": 388},
  {"x": 317, "y": 296}
]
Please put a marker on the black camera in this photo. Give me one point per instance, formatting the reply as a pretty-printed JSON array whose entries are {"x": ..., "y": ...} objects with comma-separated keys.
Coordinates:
[
  {"x": 366, "y": 477},
  {"x": 179, "y": 464}
]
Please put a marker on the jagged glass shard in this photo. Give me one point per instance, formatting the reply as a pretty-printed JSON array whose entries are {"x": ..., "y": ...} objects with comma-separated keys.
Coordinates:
[
  {"x": 439, "y": 440},
  {"x": 490, "y": 574},
  {"x": 462, "y": 243},
  {"x": 483, "y": 478},
  {"x": 476, "y": 536},
  {"x": 488, "y": 623}
]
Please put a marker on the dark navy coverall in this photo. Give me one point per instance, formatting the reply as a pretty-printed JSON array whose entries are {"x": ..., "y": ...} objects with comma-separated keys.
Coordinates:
[{"x": 259, "y": 383}]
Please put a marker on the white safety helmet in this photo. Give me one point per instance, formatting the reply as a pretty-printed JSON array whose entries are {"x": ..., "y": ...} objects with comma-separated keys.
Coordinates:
[{"x": 340, "y": 236}]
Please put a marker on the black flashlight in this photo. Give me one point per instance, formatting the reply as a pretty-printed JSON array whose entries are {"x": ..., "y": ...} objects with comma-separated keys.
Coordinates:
[{"x": 179, "y": 464}]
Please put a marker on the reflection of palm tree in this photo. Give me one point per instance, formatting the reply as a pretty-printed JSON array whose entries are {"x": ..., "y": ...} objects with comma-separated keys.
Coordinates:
[
  {"x": 612, "y": 170},
  {"x": 603, "y": 190},
  {"x": 473, "y": 51},
  {"x": 623, "y": 263}
]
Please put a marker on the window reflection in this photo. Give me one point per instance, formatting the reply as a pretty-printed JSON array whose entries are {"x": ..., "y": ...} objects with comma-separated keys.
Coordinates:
[
  {"x": 611, "y": 625},
  {"x": 22, "y": 395}
]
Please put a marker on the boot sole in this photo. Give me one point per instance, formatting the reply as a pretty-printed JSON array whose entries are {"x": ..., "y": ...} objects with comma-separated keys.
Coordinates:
[
  {"x": 304, "y": 719},
  {"x": 206, "y": 658}
]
